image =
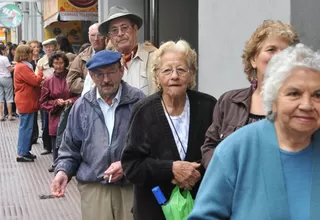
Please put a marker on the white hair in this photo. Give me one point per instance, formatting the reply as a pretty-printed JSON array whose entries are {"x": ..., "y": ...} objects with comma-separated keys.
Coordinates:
[
  {"x": 93, "y": 26},
  {"x": 279, "y": 69}
]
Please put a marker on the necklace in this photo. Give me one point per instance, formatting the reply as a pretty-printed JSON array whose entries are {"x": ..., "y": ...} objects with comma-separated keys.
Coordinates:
[{"x": 174, "y": 128}]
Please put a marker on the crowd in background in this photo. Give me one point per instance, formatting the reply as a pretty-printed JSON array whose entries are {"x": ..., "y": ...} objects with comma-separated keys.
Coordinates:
[{"x": 9, "y": 95}]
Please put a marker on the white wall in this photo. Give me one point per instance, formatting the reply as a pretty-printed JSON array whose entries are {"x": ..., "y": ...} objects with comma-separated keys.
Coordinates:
[
  {"x": 224, "y": 26},
  {"x": 305, "y": 17}
]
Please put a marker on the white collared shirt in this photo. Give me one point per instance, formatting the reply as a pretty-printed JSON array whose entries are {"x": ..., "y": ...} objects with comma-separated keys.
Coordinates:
[
  {"x": 88, "y": 83},
  {"x": 109, "y": 110}
]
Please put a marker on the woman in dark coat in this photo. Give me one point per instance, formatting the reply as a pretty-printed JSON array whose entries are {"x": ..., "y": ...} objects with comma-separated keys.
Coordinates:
[{"x": 166, "y": 131}]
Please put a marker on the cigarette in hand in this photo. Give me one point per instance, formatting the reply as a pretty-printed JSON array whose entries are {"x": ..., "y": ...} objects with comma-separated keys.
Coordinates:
[{"x": 110, "y": 177}]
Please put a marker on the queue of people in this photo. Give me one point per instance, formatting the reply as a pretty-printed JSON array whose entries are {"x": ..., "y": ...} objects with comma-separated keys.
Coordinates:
[
  {"x": 177, "y": 136},
  {"x": 136, "y": 122}
]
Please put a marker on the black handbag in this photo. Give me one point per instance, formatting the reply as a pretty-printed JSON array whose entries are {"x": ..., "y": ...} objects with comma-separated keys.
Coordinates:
[{"x": 62, "y": 125}]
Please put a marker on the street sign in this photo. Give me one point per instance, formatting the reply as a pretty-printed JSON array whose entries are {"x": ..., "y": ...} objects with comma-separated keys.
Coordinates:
[{"x": 10, "y": 16}]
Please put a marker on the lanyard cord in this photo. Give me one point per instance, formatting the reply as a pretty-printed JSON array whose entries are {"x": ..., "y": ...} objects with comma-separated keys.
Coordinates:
[{"x": 165, "y": 107}]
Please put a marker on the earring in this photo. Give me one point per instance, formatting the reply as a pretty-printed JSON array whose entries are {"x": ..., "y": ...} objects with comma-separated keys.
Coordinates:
[{"x": 253, "y": 80}]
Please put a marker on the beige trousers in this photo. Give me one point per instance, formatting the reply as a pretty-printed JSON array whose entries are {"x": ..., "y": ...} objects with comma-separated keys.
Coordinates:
[{"x": 106, "y": 202}]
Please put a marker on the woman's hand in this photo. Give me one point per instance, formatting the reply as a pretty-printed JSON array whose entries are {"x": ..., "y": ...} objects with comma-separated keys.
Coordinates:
[
  {"x": 186, "y": 174},
  {"x": 68, "y": 102},
  {"x": 60, "y": 102}
]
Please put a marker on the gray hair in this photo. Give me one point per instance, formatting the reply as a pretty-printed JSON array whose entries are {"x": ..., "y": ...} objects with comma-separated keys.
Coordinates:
[{"x": 279, "y": 69}]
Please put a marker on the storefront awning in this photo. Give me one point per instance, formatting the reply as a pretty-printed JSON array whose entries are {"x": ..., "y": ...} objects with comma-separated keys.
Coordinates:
[
  {"x": 71, "y": 16},
  {"x": 63, "y": 10}
]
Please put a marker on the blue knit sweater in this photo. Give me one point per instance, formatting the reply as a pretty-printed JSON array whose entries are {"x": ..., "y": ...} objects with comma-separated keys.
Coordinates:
[{"x": 245, "y": 180}]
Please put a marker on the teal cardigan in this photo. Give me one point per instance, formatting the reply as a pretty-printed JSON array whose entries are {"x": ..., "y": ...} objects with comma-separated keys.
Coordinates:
[{"x": 245, "y": 180}]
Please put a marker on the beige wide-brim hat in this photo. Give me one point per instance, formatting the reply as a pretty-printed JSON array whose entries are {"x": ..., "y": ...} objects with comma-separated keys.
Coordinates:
[{"x": 118, "y": 12}]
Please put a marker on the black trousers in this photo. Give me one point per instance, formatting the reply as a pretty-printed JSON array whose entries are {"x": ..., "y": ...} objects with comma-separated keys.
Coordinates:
[
  {"x": 45, "y": 131},
  {"x": 54, "y": 148},
  {"x": 35, "y": 130}
]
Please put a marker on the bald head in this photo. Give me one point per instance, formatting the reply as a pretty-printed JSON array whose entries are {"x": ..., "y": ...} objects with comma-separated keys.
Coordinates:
[{"x": 96, "y": 39}]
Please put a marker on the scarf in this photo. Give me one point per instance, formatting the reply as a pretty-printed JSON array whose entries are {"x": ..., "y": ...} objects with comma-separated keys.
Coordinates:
[
  {"x": 126, "y": 58},
  {"x": 28, "y": 64}
]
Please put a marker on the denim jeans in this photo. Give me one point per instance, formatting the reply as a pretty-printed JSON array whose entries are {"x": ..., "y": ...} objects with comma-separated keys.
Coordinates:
[{"x": 25, "y": 133}]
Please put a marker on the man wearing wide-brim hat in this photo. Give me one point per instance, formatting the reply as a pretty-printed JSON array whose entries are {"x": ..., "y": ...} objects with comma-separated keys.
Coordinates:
[
  {"x": 49, "y": 47},
  {"x": 121, "y": 27},
  {"x": 94, "y": 140}
]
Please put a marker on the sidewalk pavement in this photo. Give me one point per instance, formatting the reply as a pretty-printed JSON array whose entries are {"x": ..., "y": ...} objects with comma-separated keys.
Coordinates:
[{"x": 22, "y": 184}]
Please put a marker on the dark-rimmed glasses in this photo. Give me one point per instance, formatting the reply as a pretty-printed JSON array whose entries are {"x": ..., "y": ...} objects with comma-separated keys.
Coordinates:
[{"x": 124, "y": 29}]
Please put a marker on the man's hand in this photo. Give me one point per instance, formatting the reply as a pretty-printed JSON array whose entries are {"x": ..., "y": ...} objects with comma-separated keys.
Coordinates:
[
  {"x": 59, "y": 184},
  {"x": 115, "y": 169},
  {"x": 185, "y": 174}
]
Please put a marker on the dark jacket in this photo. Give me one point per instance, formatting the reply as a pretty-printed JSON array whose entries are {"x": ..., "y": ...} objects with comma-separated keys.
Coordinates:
[
  {"x": 230, "y": 113},
  {"x": 151, "y": 149},
  {"x": 54, "y": 88},
  {"x": 85, "y": 150}
]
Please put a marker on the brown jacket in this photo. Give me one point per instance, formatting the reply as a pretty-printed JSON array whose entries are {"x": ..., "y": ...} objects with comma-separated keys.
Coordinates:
[
  {"x": 78, "y": 71},
  {"x": 230, "y": 113},
  {"x": 71, "y": 57}
]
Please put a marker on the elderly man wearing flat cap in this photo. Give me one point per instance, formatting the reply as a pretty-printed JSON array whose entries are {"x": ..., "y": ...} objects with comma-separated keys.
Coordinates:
[
  {"x": 49, "y": 47},
  {"x": 121, "y": 27},
  {"x": 94, "y": 139}
]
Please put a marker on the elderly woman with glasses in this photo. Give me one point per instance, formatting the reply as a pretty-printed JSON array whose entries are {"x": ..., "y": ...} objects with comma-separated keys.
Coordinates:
[
  {"x": 270, "y": 169},
  {"x": 55, "y": 96},
  {"x": 166, "y": 131}
]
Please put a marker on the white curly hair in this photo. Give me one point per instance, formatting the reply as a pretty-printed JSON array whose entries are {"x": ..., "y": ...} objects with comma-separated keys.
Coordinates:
[{"x": 279, "y": 69}]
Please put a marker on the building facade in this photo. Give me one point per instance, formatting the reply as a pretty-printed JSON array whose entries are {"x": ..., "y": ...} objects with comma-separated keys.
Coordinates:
[{"x": 218, "y": 30}]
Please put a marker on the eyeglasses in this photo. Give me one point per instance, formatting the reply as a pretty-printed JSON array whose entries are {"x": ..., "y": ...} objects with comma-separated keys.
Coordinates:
[
  {"x": 179, "y": 71},
  {"x": 58, "y": 63},
  {"x": 101, "y": 75},
  {"x": 124, "y": 29}
]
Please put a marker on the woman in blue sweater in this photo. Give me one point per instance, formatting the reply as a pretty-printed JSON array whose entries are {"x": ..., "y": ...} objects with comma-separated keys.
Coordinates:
[{"x": 270, "y": 169}]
